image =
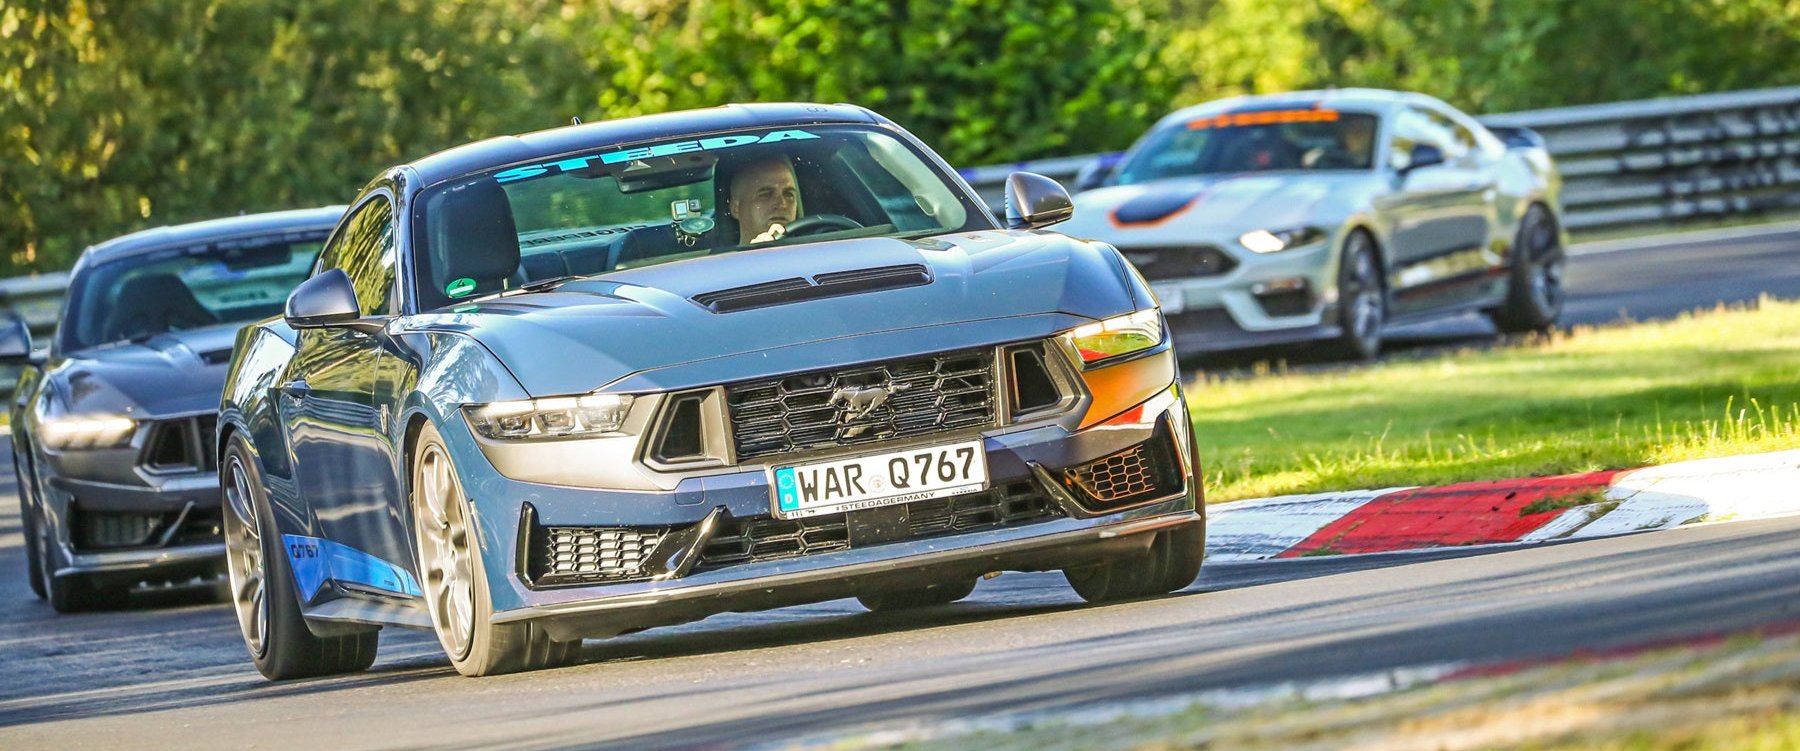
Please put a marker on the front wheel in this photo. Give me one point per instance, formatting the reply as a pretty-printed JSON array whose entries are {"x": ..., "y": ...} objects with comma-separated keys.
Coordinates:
[
  {"x": 1362, "y": 300},
  {"x": 34, "y": 561},
  {"x": 1534, "y": 290},
  {"x": 263, "y": 592},
  {"x": 1172, "y": 562},
  {"x": 456, "y": 586}
]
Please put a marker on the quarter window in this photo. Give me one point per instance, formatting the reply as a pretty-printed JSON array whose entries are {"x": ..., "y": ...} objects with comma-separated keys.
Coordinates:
[{"x": 365, "y": 251}]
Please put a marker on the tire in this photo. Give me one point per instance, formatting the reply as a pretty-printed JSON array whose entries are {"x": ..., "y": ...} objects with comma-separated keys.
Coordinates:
[
  {"x": 925, "y": 597},
  {"x": 34, "y": 561},
  {"x": 1172, "y": 562},
  {"x": 1362, "y": 300},
  {"x": 453, "y": 579},
  {"x": 1534, "y": 289},
  {"x": 263, "y": 593}
]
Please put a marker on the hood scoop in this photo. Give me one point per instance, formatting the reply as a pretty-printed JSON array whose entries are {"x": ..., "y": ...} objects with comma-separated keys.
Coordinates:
[
  {"x": 797, "y": 289},
  {"x": 216, "y": 357}
]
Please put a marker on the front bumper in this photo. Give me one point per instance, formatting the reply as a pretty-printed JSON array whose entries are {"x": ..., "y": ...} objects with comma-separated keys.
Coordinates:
[
  {"x": 597, "y": 610},
  {"x": 1278, "y": 298},
  {"x": 112, "y": 514}
]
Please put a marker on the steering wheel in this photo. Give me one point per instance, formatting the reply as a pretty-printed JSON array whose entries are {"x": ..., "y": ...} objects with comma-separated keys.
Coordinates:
[{"x": 814, "y": 224}]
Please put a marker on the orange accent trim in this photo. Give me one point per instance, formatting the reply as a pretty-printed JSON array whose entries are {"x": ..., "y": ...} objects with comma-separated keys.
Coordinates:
[
  {"x": 1117, "y": 388},
  {"x": 1270, "y": 117},
  {"x": 1113, "y": 216}
]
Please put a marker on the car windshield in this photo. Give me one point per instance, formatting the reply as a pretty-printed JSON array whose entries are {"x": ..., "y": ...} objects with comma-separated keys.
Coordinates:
[
  {"x": 145, "y": 294},
  {"x": 1264, "y": 141},
  {"x": 617, "y": 208}
]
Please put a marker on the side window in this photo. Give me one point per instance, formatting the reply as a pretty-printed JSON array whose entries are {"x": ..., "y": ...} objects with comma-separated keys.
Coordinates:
[
  {"x": 1414, "y": 126},
  {"x": 1460, "y": 139},
  {"x": 365, "y": 251}
]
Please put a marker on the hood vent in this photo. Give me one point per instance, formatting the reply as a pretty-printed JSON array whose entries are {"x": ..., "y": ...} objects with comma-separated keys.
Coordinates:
[
  {"x": 833, "y": 284},
  {"x": 216, "y": 357}
]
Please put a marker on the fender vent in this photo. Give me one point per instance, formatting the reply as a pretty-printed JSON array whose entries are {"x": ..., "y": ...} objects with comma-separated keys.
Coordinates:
[{"x": 834, "y": 284}]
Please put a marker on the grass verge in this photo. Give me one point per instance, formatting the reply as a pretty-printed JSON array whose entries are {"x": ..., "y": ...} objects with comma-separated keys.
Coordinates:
[{"x": 1713, "y": 383}]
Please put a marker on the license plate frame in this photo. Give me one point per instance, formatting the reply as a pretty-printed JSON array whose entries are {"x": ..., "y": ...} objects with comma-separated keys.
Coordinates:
[{"x": 824, "y": 486}]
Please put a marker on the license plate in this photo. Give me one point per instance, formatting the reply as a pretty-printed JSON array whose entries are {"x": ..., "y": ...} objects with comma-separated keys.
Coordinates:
[
  {"x": 875, "y": 480},
  {"x": 1169, "y": 297}
]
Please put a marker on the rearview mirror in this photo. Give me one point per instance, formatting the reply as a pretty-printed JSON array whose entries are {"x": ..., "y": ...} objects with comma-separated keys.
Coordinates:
[
  {"x": 1034, "y": 201},
  {"x": 322, "y": 301},
  {"x": 1423, "y": 155},
  {"x": 15, "y": 344}
]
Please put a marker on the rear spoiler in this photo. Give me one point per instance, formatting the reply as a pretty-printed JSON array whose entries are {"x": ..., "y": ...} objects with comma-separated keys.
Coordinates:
[{"x": 1517, "y": 137}]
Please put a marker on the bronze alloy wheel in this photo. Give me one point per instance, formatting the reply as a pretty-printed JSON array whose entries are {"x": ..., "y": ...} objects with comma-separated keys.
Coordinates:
[
  {"x": 244, "y": 558},
  {"x": 441, "y": 519}
]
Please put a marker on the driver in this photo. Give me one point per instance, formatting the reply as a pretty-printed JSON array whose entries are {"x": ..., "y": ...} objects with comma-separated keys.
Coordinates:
[{"x": 764, "y": 199}]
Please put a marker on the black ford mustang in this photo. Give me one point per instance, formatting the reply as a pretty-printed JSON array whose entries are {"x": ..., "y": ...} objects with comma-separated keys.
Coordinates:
[{"x": 113, "y": 431}]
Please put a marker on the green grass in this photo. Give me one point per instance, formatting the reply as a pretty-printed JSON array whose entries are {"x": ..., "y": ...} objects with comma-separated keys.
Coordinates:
[{"x": 1709, "y": 384}]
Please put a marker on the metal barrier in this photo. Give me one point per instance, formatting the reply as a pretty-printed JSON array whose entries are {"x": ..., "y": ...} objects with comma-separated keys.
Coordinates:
[{"x": 1651, "y": 162}]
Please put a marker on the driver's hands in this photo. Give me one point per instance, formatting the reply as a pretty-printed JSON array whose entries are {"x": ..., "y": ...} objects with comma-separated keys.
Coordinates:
[{"x": 775, "y": 232}]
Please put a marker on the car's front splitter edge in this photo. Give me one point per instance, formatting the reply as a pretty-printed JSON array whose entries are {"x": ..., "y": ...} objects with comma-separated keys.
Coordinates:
[{"x": 846, "y": 573}]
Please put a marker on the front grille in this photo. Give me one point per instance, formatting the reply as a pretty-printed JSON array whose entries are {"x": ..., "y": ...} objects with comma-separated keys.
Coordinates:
[
  {"x": 590, "y": 555},
  {"x": 862, "y": 404},
  {"x": 184, "y": 444},
  {"x": 1143, "y": 472},
  {"x": 1179, "y": 262},
  {"x": 768, "y": 539},
  {"x": 1121, "y": 475},
  {"x": 120, "y": 530}
]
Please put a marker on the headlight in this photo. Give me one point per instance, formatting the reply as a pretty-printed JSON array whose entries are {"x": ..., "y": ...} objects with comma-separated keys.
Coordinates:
[
  {"x": 1264, "y": 241},
  {"x": 560, "y": 417},
  {"x": 1116, "y": 336},
  {"x": 87, "y": 432}
]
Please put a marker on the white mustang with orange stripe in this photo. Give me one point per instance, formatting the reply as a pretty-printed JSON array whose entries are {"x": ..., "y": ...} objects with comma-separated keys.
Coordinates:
[{"x": 1326, "y": 216}]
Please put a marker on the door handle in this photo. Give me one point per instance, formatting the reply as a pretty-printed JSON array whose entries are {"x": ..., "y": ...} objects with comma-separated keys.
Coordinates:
[{"x": 296, "y": 389}]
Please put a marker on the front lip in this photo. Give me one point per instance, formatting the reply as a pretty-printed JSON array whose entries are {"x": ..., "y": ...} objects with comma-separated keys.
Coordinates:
[{"x": 838, "y": 571}]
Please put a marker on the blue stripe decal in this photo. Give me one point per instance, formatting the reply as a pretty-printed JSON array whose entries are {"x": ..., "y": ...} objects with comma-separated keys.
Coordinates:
[{"x": 316, "y": 561}]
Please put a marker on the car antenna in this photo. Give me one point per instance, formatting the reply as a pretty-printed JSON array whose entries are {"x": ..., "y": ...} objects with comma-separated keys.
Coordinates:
[{"x": 576, "y": 120}]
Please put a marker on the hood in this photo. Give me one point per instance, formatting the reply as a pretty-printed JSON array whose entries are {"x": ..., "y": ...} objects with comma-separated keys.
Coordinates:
[
  {"x": 592, "y": 332},
  {"x": 1227, "y": 204},
  {"x": 169, "y": 374}
]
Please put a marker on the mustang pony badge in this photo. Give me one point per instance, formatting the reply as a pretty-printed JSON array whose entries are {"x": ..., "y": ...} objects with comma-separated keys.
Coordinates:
[{"x": 859, "y": 401}]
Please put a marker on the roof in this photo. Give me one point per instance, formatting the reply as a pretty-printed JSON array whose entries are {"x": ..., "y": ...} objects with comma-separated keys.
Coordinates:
[
  {"x": 505, "y": 150},
  {"x": 275, "y": 222},
  {"x": 1353, "y": 100}
]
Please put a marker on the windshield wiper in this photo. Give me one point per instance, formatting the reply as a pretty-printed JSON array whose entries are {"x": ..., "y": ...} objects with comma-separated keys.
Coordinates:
[{"x": 536, "y": 286}]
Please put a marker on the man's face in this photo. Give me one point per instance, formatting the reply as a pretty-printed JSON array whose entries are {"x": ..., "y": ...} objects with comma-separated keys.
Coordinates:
[
  {"x": 763, "y": 194},
  {"x": 1358, "y": 134}
]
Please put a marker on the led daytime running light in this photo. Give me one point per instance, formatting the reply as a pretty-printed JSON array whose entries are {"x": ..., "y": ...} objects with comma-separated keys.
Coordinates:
[
  {"x": 1120, "y": 335},
  {"x": 554, "y": 417},
  {"x": 88, "y": 432}
]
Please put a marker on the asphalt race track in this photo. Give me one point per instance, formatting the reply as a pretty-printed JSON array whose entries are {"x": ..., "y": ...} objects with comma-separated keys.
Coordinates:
[{"x": 168, "y": 671}]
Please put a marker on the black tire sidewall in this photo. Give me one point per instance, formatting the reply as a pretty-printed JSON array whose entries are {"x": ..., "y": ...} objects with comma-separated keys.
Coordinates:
[{"x": 1349, "y": 344}]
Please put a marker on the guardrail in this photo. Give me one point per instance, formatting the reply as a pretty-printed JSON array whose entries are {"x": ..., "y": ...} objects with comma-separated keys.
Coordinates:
[{"x": 1651, "y": 162}]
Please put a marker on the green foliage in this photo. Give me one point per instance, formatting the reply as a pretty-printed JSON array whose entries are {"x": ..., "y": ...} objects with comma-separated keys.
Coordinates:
[
  {"x": 121, "y": 114},
  {"x": 1486, "y": 55}
]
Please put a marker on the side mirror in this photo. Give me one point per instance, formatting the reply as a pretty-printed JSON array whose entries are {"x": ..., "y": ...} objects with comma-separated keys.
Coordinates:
[
  {"x": 1423, "y": 155},
  {"x": 15, "y": 344},
  {"x": 1034, "y": 201},
  {"x": 322, "y": 301}
]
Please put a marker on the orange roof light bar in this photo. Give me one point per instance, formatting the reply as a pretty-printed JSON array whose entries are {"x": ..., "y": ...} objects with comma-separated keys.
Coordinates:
[{"x": 1270, "y": 117}]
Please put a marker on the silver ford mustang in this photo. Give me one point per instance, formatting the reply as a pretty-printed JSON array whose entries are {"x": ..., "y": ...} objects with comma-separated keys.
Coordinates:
[
  {"x": 628, "y": 374},
  {"x": 1326, "y": 216}
]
